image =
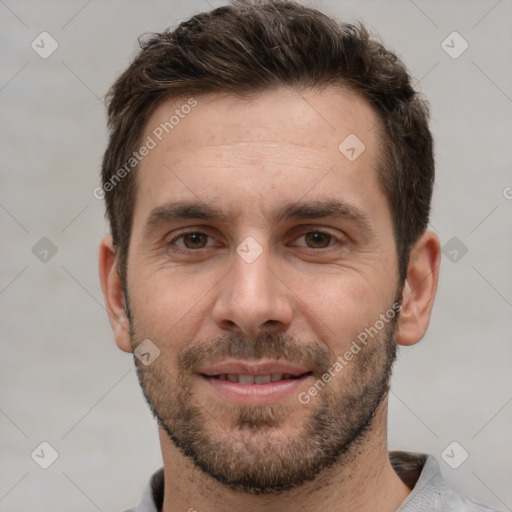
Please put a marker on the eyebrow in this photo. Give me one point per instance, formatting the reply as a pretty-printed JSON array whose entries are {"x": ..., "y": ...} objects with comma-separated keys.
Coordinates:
[{"x": 336, "y": 209}]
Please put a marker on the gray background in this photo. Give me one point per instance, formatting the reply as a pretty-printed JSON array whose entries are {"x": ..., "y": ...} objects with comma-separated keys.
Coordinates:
[{"x": 62, "y": 378}]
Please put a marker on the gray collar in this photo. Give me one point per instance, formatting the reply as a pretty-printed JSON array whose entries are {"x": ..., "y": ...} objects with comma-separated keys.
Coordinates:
[{"x": 421, "y": 473}]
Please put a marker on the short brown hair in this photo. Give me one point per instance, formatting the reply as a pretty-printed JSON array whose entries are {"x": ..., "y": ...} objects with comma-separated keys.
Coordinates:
[{"x": 250, "y": 47}]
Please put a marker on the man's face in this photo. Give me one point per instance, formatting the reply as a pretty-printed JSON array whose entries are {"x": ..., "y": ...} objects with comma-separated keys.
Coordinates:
[{"x": 259, "y": 253}]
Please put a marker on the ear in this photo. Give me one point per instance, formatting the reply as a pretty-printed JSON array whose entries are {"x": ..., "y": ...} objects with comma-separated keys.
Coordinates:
[
  {"x": 113, "y": 294},
  {"x": 419, "y": 290}
]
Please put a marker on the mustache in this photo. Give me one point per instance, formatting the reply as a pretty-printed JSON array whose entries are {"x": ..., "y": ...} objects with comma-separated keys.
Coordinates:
[{"x": 267, "y": 345}]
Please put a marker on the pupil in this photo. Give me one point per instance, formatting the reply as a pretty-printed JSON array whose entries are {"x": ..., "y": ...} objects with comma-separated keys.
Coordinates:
[
  {"x": 317, "y": 238},
  {"x": 195, "y": 238}
]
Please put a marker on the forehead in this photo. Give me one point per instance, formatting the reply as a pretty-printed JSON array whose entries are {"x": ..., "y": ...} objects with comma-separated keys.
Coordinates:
[
  {"x": 312, "y": 118},
  {"x": 259, "y": 151}
]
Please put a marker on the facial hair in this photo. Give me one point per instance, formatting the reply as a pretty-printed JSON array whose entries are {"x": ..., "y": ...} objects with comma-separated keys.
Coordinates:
[{"x": 253, "y": 453}]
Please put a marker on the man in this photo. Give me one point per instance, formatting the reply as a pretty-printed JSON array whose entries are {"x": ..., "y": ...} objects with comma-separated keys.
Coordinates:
[{"x": 268, "y": 183}]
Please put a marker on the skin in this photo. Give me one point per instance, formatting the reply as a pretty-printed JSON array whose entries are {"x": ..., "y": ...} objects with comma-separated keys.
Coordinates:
[{"x": 248, "y": 158}]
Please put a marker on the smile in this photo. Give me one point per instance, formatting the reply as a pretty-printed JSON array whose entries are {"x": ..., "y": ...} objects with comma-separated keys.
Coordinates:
[
  {"x": 246, "y": 383},
  {"x": 255, "y": 379}
]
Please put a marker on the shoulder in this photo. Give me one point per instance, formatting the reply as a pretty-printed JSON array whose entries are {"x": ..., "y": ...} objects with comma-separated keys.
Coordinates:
[
  {"x": 456, "y": 503},
  {"x": 430, "y": 492}
]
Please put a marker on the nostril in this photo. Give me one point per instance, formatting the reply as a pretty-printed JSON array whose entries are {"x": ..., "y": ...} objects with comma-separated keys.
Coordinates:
[{"x": 228, "y": 324}]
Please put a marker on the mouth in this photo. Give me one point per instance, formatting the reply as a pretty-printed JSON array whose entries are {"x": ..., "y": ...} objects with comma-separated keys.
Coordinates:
[
  {"x": 256, "y": 379},
  {"x": 258, "y": 382}
]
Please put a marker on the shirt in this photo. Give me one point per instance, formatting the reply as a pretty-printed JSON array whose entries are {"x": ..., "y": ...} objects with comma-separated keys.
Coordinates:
[{"x": 421, "y": 473}]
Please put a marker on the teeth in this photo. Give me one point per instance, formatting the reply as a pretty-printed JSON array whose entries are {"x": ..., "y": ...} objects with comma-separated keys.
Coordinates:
[
  {"x": 262, "y": 379},
  {"x": 251, "y": 379},
  {"x": 246, "y": 379}
]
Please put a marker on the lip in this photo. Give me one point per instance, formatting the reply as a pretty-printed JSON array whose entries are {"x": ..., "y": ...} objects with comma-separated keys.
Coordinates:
[{"x": 254, "y": 394}]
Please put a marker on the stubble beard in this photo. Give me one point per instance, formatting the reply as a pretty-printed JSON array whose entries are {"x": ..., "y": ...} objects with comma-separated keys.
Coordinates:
[{"x": 254, "y": 449}]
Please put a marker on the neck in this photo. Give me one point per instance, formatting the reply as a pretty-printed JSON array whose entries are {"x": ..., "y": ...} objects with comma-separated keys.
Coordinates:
[{"x": 366, "y": 483}]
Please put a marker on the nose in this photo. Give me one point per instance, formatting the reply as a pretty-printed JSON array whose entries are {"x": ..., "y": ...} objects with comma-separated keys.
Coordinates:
[{"x": 252, "y": 299}]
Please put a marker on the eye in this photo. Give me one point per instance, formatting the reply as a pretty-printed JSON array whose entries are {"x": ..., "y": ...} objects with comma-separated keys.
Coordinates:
[
  {"x": 193, "y": 240},
  {"x": 317, "y": 239}
]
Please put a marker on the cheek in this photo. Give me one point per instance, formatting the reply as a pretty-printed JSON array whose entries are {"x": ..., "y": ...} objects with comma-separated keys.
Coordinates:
[
  {"x": 170, "y": 306},
  {"x": 341, "y": 306}
]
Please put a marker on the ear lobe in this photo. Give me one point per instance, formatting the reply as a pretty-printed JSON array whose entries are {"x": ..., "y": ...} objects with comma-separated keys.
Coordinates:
[
  {"x": 419, "y": 290},
  {"x": 113, "y": 294}
]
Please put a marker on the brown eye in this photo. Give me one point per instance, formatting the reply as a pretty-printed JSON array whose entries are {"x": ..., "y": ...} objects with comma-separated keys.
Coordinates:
[
  {"x": 317, "y": 239},
  {"x": 194, "y": 240}
]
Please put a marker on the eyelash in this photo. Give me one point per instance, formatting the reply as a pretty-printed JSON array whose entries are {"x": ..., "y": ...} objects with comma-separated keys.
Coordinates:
[{"x": 317, "y": 231}]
